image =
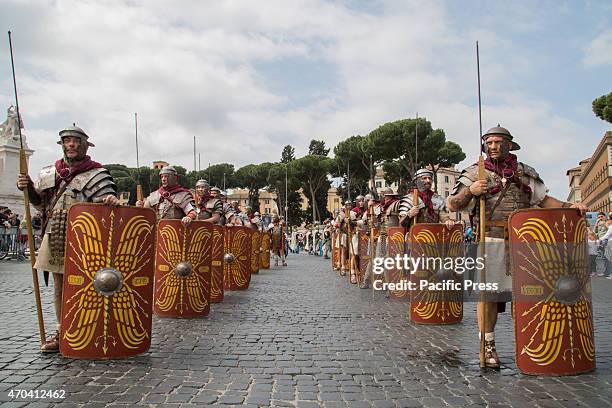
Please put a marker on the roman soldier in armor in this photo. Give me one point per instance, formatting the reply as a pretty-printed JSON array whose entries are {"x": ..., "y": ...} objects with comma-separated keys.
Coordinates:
[
  {"x": 215, "y": 192},
  {"x": 388, "y": 216},
  {"x": 252, "y": 218},
  {"x": 342, "y": 237},
  {"x": 171, "y": 201},
  {"x": 208, "y": 207},
  {"x": 227, "y": 210},
  {"x": 509, "y": 185},
  {"x": 327, "y": 233},
  {"x": 357, "y": 214},
  {"x": 74, "y": 178},
  {"x": 373, "y": 217},
  {"x": 237, "y": 216},
  {"x": 431, "y": 207},
  {"x": 277, "y": 240}
]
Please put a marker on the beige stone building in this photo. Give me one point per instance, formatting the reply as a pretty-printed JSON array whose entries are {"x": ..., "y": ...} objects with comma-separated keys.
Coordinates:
[
  {"x": 267, "y": 203},
  {"x": 575, "y": 195},
  {"x": 591, "y": 181},
  {"x": 159, "y": 164}
]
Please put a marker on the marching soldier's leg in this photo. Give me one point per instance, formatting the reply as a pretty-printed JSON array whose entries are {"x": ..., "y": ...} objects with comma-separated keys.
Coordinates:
[
  {"x": 354, "y": 257},
  {"x": 490, "y": 312},
  {"x": 52, "y": 344}
]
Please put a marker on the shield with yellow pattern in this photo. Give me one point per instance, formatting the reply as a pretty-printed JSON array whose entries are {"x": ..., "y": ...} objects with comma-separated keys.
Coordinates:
[
  {"x": 551, "y": 290},
  {"x": 437, "y": 293},
  {"x": 216, "y": 265},
  {"x": 255, "y": 251},
  {"x": 108, "y": 281},
  {"x": 363, "y": 251},
  {"x": 237, "y": 258},
  {"x": 395, "y": 275},
  {"x": 335, "y": 251},
  {"x": 264, "y": 261},
  {"x": 182, "y": 269}
]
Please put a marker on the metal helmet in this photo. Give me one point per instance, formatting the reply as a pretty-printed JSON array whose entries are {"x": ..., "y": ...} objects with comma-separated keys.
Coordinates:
[
  {"x": 222, "y": 193},
  {"x": 359, "y": 198},
  {"x": 388, "y": 191},
  {"x": 423, "y": 173},
  {"x": 348, "y": 202},
  {"x": 75, "y": 131},
  {"x": 172, "y": 174},
  {"x": 201, "y": 183},
  {"x": 368, "y": 197},
  {"x": 505, "y": 133},
  {"x": 217, "y": 189}
]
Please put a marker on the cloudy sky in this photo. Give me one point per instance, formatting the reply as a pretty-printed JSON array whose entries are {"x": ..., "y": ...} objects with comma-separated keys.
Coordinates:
[{"x": 247, "y": 77}]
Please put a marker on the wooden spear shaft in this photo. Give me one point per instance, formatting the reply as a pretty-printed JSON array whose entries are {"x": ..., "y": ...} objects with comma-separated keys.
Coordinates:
[
  {"x": 482, "y": 220},
  {"x": 23, "y": 169}
]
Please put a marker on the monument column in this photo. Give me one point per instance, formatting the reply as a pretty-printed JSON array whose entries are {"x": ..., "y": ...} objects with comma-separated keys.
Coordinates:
[{"x": 10, "y": 196}]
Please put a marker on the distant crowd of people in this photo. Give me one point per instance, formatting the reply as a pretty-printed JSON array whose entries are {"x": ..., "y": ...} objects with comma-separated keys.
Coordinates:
[
  {"x": 13, "y": 231},
  {"x": 600, "y": 245}
]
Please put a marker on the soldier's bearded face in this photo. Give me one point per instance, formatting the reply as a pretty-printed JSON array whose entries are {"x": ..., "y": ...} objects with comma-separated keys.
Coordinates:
[
  {"x": 498, "y": 147},
  {"x": 164, "y": 180},
  {"x": 73, "y": 150},
  {"x": 424, "y": 183}
]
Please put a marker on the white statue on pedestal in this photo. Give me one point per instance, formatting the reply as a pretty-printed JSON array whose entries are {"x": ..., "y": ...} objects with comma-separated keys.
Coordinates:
[
  {"x": 9, "y": 131},
  {"x": 9, "y": 161}
]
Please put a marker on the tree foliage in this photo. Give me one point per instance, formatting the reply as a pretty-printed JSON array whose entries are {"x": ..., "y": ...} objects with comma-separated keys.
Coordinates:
[
  {"x": 602, "y": 107},
  {"x": 253, "y": 177},
  {"x": 317, "y": 148},
  {"x": 312, "y": 172},
  {"x": 288, "y": 154}
]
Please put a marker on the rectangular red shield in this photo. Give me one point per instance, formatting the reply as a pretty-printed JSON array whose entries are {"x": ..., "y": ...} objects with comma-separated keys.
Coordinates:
[
  {"x": 265, "y": 248},
  {"x": 551, "y": 290},
  {"x": 436, "y": 242},
  {"x": 216, "y": 265},
  {"x": 237, "y": 244},
  {"x": 182, "y": 269},
  {"x": 395, "y": 246},
  {"x": 108, "y": 281},
  {"x": 255, "y": 251}
]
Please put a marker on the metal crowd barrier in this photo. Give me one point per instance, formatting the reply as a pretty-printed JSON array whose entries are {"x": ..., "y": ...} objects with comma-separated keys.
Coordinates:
[{"x": 14, "y": 243}]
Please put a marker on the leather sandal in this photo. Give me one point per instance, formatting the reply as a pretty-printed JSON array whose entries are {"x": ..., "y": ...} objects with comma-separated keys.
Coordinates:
[
  {"x": 51, "y": 344},
  {"x": 491, "y": 357}
]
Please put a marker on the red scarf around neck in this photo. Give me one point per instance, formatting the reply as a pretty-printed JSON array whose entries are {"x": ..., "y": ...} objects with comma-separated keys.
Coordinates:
[
  {"x": 426, "y": 197},
  {"x": 68, "y": 173},
  {"x": 166, "y": 192},
  {"x": 506, "y": 169}
]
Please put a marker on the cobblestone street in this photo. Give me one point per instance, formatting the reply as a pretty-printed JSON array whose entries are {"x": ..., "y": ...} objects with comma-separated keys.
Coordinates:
[{"x": 300, "y": 336}]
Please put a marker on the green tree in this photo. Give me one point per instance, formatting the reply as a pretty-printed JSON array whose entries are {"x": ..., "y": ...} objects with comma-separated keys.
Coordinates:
[
  {"x": 215, "y": 175},
  {"x": 602, "y": 107},
  {"x": 317, "y": 148},
  {"x": 312, "y": 172},
  {"x": 288, "y": 154},
  {"x": 411, "y": 144},
  {"x": 356, "y": 154},
  {"x": 253, "y": 177}
]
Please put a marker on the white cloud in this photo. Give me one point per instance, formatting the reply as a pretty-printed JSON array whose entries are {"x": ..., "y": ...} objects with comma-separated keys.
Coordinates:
[
  {"x": 195, "y": 70},
  {"x": 599, "y": 50}
]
